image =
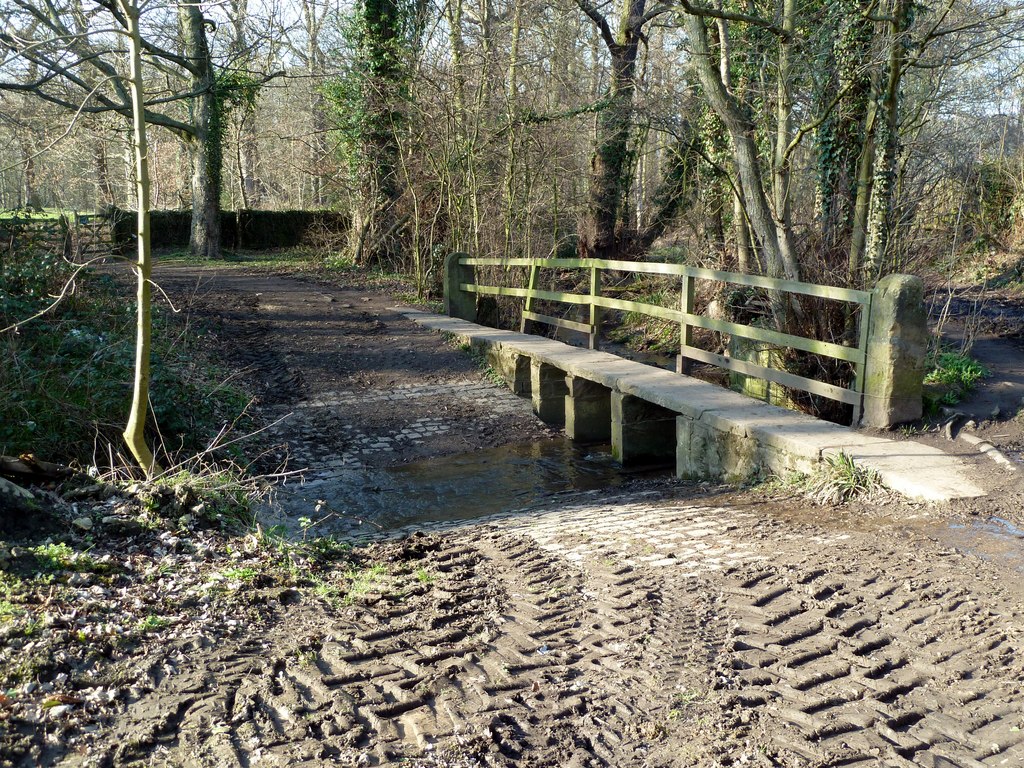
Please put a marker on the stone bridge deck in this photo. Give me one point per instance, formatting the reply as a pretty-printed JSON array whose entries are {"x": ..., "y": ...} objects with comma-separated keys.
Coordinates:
[{"x": 713, "y": 433}]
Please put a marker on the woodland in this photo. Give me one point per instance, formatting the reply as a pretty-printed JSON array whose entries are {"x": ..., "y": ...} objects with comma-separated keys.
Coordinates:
[
  {"x": 831, "y": 142},
  {"x": 214, "y": 419}
]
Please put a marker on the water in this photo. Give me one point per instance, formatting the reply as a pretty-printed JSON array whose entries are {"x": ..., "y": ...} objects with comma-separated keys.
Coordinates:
[
  {"x": 453, "y": 488},
  {"x": 991, "y": 538}
]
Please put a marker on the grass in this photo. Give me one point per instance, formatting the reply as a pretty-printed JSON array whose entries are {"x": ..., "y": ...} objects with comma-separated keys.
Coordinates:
[
  {"x": 362, "y": 581},
  {"x": 52, "y": 558},
  {"x": 240, "y": 574},
  {"x": 220, "y": 494},
  {"x": 269, "y": 259},
  {"x": 839, "y": 480},
  {"x": 20, "y": 214},
  {"x": 152, "y": 623},
  {"x": 9, "y": 611},
  {"x": 328, "y": 592},
  {"x": 952, "y": 377},
  {"x": 681, "y": 701}
]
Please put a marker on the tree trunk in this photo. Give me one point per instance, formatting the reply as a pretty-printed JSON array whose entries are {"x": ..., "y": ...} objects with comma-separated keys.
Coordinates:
[
  {"x": 134, "y": 431},
  {"x": 250, "y": 187},
  {"x": 204, "y": 241},
  {"x": 840, "y": 139},
  {"x": 781, "y": 262},
  {"x": 862, "y": 201},
  {"x": 104, "y": 187},
  {"x": 511, "y": 94},
  {"x": 29, "y": 195},
  {"x": 781, "y": 177},
  {"x": 377, "y": 236},
  {"x": 207, "y": 143},
  {"x": 603, "y": 226},
  {"x": 315, "y": 65},
  {"x": 744, "y": 258},
  {"x": 887, "y": 147},
  {"x": 318, "y": 150}
]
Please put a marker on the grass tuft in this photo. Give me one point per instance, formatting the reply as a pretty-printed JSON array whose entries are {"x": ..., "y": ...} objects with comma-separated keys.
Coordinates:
[
  {"x": 953, "y": 376},
  {"x": 840, "y": 479}
]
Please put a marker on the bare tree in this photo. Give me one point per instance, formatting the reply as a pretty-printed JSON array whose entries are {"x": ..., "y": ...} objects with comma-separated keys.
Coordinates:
[
  {"x": 65, "y": 54},
  {"x": 134, "y": 432}
]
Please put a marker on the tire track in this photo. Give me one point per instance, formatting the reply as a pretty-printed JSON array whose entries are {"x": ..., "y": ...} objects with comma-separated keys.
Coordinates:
[
  {"x": 509, "y": 656},
  {"x": 846, "y": 666}
]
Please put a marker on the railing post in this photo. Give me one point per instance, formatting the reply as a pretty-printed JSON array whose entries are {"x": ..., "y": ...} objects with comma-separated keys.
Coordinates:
[
  {"x": 685, "y": 329},
  {"x": 595, "y": 311},
  {"x": 863, "y": 339},
  {"x": 896, "y": 352},
  {"x": 458, "y": 302},
  {"x": 531, "y": 284}
]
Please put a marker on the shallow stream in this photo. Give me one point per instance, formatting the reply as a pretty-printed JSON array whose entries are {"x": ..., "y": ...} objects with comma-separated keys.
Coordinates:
[
  {"x": 495, "y": 480},
  {"x": 460, "y": 487}
]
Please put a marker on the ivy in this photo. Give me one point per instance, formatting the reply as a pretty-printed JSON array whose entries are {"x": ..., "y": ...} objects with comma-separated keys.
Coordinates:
[
  {"x": 366, "y": 98},
  {"x": 232, "y": 89}
]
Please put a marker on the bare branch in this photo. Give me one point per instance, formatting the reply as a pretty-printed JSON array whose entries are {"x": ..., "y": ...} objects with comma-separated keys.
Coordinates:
[
  {"x": 599, "y": 19},
  {"x": 745, "y": 18},
  {"x": 655, "y": 12}
]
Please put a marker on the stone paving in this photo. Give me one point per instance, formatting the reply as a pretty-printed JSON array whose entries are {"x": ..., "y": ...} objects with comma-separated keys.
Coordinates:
[
  {"x": 325, "y": 419},
  {"x": 338, "y": 442},
  {"x": 403, "y": 393},
  {"x": 639, "y": 528}
]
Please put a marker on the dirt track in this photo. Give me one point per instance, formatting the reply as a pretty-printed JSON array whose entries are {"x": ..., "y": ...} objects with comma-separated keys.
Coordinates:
[
  {"x": 529, "y": 644},
  {"x": 660, "y": 625}
]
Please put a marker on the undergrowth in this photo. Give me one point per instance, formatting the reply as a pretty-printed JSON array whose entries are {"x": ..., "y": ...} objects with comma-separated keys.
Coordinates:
[
  {"x": 641, "y": 332},
  {"x": 65, "y": 385},
  {"x": 953, "y": 375}
]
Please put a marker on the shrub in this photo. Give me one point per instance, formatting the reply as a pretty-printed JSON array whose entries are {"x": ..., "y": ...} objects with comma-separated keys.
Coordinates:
[
  {"x": 65, "y": 383},
  {"x": 953, "y": 376}
]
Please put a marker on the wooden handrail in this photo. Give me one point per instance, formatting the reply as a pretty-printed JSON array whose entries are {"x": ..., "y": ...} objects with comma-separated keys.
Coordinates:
[{"x": 688, "y": 320}]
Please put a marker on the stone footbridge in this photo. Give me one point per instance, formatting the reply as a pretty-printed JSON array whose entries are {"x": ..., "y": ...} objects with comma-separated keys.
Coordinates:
[{"x": 653, "y": 415}]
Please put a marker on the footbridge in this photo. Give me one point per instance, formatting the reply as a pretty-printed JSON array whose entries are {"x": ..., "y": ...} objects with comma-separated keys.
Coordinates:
[{"x": 649, "y": 414}]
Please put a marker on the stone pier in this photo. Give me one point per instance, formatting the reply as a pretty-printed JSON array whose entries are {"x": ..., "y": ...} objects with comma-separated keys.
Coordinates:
[
  {"x": 588, "y": 406},
  {"x": 642, "y": 432},
  {"x": 548, "y": 390}
]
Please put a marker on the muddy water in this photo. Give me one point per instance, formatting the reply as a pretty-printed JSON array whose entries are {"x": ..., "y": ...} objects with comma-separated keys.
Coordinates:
[
  {"x": 992, "y": 538},
  {"x": 452, "y": 488}
]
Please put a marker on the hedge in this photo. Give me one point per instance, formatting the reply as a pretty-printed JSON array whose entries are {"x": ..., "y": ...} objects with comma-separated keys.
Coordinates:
[{"x": 239, "y": 229}]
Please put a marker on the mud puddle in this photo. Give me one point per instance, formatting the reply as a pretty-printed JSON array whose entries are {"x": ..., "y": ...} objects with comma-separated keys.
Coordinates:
[
  {"x": 992, "y": 538},
  {"x": 451, "y": 488}
]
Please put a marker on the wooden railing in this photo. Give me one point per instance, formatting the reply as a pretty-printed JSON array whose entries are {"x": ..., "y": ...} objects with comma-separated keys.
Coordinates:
[{"x": 594, "y": 302}]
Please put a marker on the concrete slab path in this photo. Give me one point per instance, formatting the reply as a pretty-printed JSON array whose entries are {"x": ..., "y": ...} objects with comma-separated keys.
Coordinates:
[{"x": 785, "y": 439}]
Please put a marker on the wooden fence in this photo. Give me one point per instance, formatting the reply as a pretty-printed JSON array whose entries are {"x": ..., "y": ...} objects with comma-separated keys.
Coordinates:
[
  {"x": 76, "y": 236},
  {"x": 593, "y": 302}
]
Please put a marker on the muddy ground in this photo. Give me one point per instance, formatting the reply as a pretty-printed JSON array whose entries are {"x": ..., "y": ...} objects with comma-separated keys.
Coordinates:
[{"x": 654, "y": 624}]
